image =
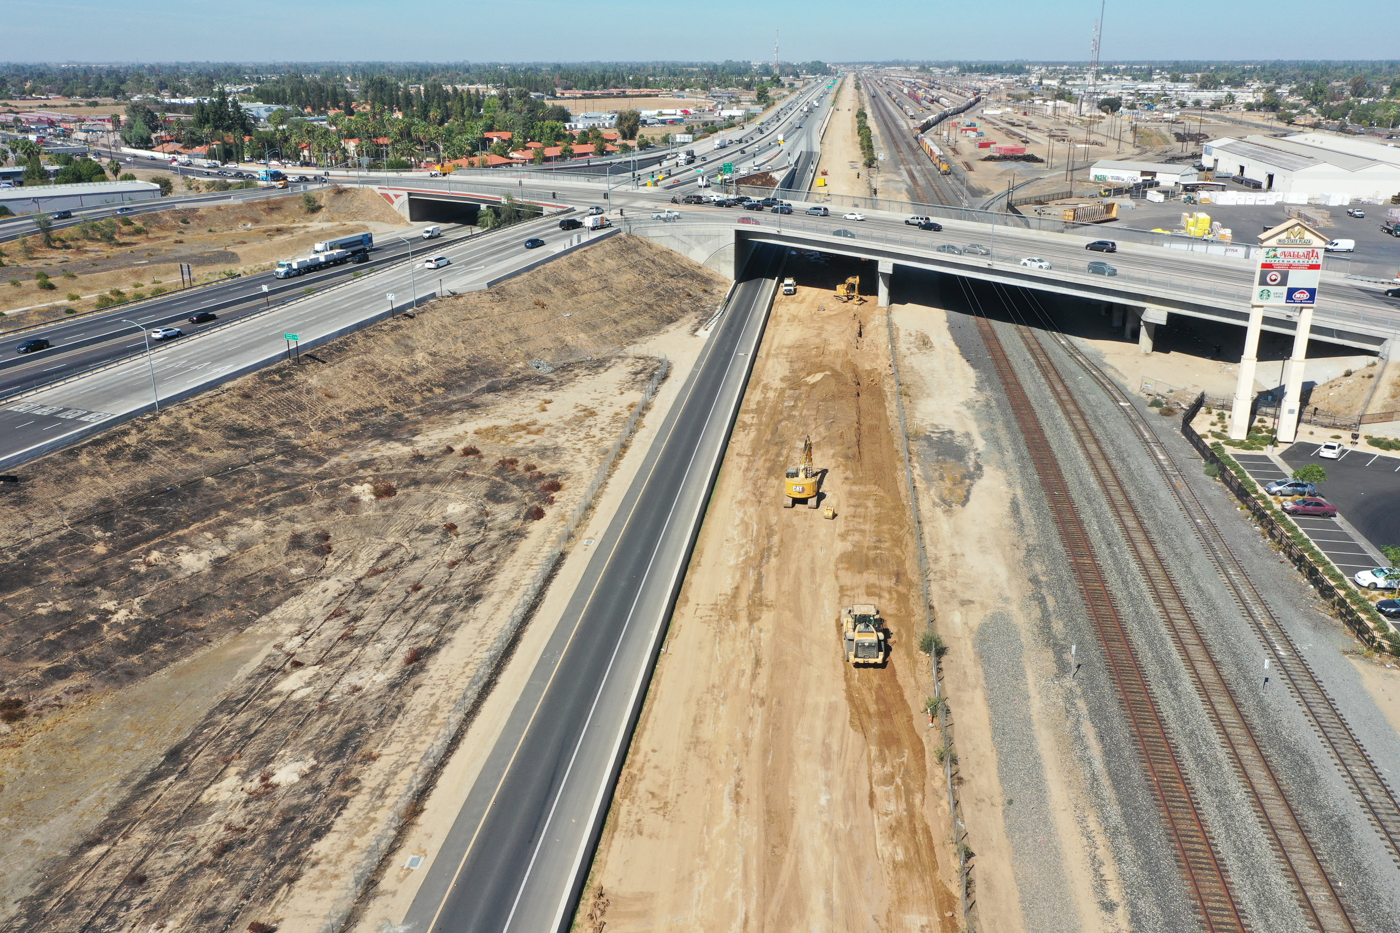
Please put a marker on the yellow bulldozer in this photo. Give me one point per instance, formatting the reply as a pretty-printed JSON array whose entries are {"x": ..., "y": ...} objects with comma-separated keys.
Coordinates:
[
  {"x": 801, "y": 481},
  {"x": 849, "y": 290},
  {"x": 863, "y": 635}
]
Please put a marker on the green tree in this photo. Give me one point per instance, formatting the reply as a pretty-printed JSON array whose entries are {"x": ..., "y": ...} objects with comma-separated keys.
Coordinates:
[
  {"x": 1111, "y": 104},
  {"x": 44, "y": 224},
  {"x": 1313, "y": 473},
  {"x": 34, "y": 171},
  {"x": 141, "y": 121},
  {"x": 165, "y": 185},
  {"x": 628, "y": 123},
  {"x": 126, "y": 176},
  {"x": 1357, "y": 86}
]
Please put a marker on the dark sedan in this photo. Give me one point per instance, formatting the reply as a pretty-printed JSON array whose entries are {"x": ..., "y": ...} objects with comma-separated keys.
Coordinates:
[
  {"x": 932, "y": 225},
  {"x": 33, "y": 345},
  {"x": 1103, "y": 246},
  {"x": 202, "y": 317},
  {"x": 534, "y": 243},
  {"x": 1390, "y": 608}
]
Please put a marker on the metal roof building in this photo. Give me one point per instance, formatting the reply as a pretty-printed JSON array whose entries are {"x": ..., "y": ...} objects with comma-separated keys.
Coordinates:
[
  {"x": 1309, "y": 166},
  {"x": 34, "y": 199},
  {"x": 1130, "y": 173}
]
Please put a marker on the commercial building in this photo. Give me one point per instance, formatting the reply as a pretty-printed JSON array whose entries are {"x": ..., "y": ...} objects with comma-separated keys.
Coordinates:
[
  {"x": 1309, "y": 166},
  {"x": 1130, "y": 173},
  {"x": 34, "y": 199}
]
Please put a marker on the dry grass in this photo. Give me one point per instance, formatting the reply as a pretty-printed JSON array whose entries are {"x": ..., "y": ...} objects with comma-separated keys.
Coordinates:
[{"x": 322, "y": 507}]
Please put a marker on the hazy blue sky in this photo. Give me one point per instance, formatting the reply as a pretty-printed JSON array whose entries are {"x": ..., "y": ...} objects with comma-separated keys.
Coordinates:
[{"x": 574, "y": 30}]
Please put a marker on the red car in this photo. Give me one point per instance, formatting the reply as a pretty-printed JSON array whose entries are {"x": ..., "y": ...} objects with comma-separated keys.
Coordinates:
[
  {"x": 748, "y": 220},
  {"x": 1310, "y": 506}
]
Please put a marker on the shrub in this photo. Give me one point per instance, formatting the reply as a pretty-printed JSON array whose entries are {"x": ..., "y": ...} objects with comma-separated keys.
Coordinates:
[
  {"x": 68, "y": 274},
  {"x": 1155, "y": 403},
  {"x": 535, "y": 514},
  {"x": 383, "y": 490},
  {"x": 1311, "y": 473},
  {"x": 309, "y": 203},
  {"x": 1212, "y": 470}
]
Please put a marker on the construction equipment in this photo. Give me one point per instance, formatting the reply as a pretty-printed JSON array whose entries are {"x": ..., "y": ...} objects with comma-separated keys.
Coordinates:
[
  {"x": 828, "y": 512},
  {"x": 863, "y": 635},
  {"x": 802, "y": 481},
  {"x": 849, "y": 290}
]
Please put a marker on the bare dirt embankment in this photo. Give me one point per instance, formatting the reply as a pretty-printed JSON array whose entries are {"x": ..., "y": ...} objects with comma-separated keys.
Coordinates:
[
  {"x": 771, "y": 785},
  {"x": 231, "y": 629},
  {"x": 129, "y": 258}
]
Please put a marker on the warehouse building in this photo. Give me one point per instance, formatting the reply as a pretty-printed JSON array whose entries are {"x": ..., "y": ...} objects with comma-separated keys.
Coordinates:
[
  {"x": 35, "y": 199},
  {"x": 1131, "y": 173},
  {"x": 1309, "y": 166}
]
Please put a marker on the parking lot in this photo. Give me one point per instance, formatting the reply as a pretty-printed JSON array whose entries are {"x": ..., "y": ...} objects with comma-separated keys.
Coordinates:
[
  {"x": 1364, "y": 522},
  {"x": 1377, "y": 254}
]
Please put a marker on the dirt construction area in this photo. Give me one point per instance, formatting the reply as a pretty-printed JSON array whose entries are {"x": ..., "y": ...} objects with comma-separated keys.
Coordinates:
[
  {"x": 230, "y": 631},
  {"x": 129, "y": 258},
  {"x": 772, "y": 785}
]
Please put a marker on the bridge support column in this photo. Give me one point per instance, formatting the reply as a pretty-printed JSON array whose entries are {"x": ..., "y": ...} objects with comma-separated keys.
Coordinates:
[
  {"x": 886, "y": 270},
  {"x": 1244, "y": 386},
  {"x": 1116, "y": 320},
  {"x": 1292, "y": 406},
  {"x": 1147, "y": 333}
]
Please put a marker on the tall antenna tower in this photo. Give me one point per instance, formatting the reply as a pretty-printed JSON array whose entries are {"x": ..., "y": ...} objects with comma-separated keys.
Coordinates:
[
  {"x": 1093, "y": 95},
  {"x": 775, "y": 55}
]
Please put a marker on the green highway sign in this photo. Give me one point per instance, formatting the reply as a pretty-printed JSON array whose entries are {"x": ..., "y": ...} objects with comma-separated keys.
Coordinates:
[
  {"x": 728, "y": 168},
  {"x": 291, "y": 337}
]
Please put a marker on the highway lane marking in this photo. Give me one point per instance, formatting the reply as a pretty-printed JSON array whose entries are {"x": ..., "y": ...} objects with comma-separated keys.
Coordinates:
[
  {"x": 678, "y": 405},
  {"x": 25, "y": 425}
]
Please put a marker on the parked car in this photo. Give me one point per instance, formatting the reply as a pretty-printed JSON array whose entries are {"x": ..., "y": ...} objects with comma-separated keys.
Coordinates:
[
  {"x": 1101, "y": 268},
  {"x": 202, "y": 317},
  {"x": 819, "y": 212},
  {"x": 1378, "y": 578},
  {"x": 976, "y": 249},
  {"x": 748, "y": 220},
  {"x": 1310, "y": 506},
  {"x": 932, "y": 226},
  {"x": 1033, "y": 262},
  {"x": 1390, "y": 608},
  {"x": 1103, "y": 246},
  {"x": 534, "y": 243},
  {"x": 855, "y": 215},
  {"x": 845, "y": 233},
  {"x": 437, "y": 262},
  {"x": 166, "y": 333},
  {"x": 570, "y": 223},
  {"x": 1290, "y": 487},
  {"x": 949, "y": 248},
  {"x": 33, "y": 345},
  {"x": 1356, "y": 212},
  {"x": 1331, "y": 451}
]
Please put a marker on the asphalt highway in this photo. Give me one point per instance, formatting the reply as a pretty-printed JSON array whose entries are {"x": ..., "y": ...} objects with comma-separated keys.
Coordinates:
[
  {"x": 102, "y": 337},
  {"x": 517, "y": 855}
]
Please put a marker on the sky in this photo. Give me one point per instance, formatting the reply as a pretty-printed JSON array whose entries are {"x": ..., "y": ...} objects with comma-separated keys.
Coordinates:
[{"x": 629, "y": 30}]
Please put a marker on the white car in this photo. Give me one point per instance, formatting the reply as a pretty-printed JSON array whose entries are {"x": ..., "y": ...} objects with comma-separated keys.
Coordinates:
[
  {"x": 1378, "y": 578},
  {"x": 853, "y": 215},
  {"x": 1330, "y": 451},
  {"x": 1032, "y": 262},
  {"x": 437, "y": 263},
  {"x": 166, "y": 333}
]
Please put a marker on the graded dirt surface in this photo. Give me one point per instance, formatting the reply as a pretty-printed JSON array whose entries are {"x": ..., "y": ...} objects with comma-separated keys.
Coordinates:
[
  {"x": 141, "y": 255},
  {"x": 841, "y": 158},
  {"x": 771, "y": 785},
  {"x": 233, "y": 629}
]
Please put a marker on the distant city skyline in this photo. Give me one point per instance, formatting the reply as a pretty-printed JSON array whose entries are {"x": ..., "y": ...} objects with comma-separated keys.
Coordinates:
[{"x": 80, "y": 31}]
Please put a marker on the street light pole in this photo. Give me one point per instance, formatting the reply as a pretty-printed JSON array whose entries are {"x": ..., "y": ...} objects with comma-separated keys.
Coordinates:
[
  {"x": 412, "y": 273},
  {"x": 150, "y": 364}
]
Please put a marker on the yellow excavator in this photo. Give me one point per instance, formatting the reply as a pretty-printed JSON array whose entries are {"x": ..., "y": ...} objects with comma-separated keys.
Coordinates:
[
  {"x": 802, "y": 480},
  {"x": 849, "y": 290},
  {"x": 863, "y": 635}
]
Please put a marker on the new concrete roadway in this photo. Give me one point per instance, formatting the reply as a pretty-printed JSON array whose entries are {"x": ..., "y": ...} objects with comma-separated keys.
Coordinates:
[
  {"x": 519, "y": 851},
  {"x": 59, "y": 414},
  {"x": 101, "y": 337}
]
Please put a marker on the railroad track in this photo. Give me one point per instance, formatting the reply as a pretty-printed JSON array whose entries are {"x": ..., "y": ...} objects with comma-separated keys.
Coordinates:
[
  {"x": 922, "y": 188},
  {"x": 1361, "y": 774},
  {"x": 1204, "y": 875},
  {"x": 1314, "y": 888}
]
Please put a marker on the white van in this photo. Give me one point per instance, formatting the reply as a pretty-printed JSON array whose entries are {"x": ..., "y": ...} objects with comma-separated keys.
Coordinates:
[
  {"x": 1341, "y": 246},
  {"x": 432, "y": 233}
]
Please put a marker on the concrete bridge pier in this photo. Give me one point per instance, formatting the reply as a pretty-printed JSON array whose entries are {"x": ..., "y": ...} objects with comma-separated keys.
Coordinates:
[
  {"x": 1147, "y": 331},
  {"x": 886, "y": 270},
  {"x": 1116, "y": 316}
]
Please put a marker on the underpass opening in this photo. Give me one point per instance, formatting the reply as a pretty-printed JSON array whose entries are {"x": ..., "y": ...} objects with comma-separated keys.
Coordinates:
[
  {"x": 830, "y": 272},
  {"x": 443, "y": 210}
]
